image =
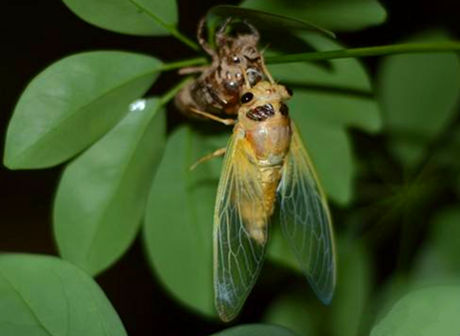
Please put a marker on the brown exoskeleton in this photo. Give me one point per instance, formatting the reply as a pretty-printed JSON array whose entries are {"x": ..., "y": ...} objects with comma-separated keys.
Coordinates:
[{"x": 217, "y": 90}]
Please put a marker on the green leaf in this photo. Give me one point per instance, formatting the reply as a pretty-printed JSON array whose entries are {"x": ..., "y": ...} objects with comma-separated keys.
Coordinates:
[
  {"x": 255, "y": 330},
  {"x": 262, "y": 19},
  {"x": 336, "y": 15},
  {"x": 293, "y": 313},
  {"x": 353, "y": 290},
  {"x": 327, "y": 100},
  {"x": 72, "y": 103},
  {"x": 348, "y": 307},
  {"x": 446, "y": 236},
  {"x": 419, "y": 95},
  {"x": 102, "y": 194},
  {"x": 179, "y": 219},
  {"x": 430, "y": 268},
  {"x": 389, "y": 293},
  {"x": 437, "y": 262},
  {"x": 44, "y": 296},
  {"x": 136, "y": 17},
  {"x": 430, "y": 311}
]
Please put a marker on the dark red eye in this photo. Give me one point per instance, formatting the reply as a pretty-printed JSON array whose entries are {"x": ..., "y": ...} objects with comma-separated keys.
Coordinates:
[{"x": 247, "y": 97}]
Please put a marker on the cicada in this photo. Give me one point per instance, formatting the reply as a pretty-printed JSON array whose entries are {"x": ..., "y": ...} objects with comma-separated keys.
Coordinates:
[
  {"x": 265, "y": 161},
  {"x": 217, "y": 89}
]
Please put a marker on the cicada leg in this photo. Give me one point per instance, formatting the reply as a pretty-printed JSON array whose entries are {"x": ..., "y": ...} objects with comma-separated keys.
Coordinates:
[
  {"x": 221, "y": 35},
  {"x": 202, "y": 40},
  {"x": 228, "y": 122},
  {"x": 217, "y": 153},
  {"x": 192, "y": 70}
]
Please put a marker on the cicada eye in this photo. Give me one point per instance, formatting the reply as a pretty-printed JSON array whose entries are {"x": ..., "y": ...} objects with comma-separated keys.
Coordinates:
[
  {"x": 289, "y": 91},
  {"x": 254, "y": 75},
  {"x": 247, "y": 97}
]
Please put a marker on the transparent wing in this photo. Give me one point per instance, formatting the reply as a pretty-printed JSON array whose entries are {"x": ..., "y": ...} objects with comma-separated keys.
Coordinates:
[
  {"x": 240, "y": 230},
  {"x": 305, "y": 220}
]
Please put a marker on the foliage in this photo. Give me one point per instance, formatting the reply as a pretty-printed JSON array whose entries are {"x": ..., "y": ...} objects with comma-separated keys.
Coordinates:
[
  {"x": 128, "y": 174},
  {"x": 43, "y": 295},
  {"x": 424, "y": 312}
]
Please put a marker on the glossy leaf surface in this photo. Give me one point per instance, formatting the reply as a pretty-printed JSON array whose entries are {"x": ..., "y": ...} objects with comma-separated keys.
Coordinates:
[
  {"x": 429, "y": 311},
  {"x": 72, "y": 103},
  {"x": 43, "y": 296},
  {"x": 265, "y": 20},
  {"x": 137, "y": 17},
  {"x": 336, "y": 15},
  {"x": 179, "y": 220},
  {"x": 419, "y": 95},
  {"x": 102, "y": 194},
  {"x": 255, "y": 330}
]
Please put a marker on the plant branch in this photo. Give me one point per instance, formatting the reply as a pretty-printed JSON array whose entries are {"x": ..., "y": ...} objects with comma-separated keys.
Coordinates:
[
  {"x": 336, "y": 54},
  {"x": 367, "y": 51},
  {"x": 164, "y": 99},
  {"x": 183, "y": 64},
  {"x": 171, "y": 28}
]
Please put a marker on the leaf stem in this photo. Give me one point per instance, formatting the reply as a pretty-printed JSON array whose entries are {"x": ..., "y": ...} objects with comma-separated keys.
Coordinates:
[
  {"x": 367, "y": 51},
  {"x": 164, "y": 99},
  {"x": 335, "y": 54},
  {"x": 183, "y": 64},
  {"x": 184, "y": 39},
  {"x": 171, "y": 28}
]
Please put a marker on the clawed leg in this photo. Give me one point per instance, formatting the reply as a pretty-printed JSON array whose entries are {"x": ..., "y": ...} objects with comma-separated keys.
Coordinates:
[
  {"x": 253, "y": 30},
  {"x": 267, "y": 73},
  {"x": 217, "y": 153},
  {"x": 202, "y": 40},
  {"x": 227, "y": 122},
  {"x": 221, "y": 35}
]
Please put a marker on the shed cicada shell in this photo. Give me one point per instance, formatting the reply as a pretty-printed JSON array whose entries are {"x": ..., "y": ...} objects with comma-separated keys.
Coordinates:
[
  {"x": 266, "y": 163},
  {"x": 217, "y": 89}
]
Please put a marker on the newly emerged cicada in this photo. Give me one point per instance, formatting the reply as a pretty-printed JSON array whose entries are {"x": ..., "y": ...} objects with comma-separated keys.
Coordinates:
[
  {"x": 217, "y": 89},
  {"x": 265, "y": 160}
]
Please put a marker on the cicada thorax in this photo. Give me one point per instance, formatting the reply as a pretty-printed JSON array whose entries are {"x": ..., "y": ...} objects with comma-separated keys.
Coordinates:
[
  {"x": 264, "y": 120},
  {"x": 217, "y": 90}
]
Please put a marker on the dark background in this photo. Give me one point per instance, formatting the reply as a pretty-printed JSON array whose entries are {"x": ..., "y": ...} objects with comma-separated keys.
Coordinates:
[{"x": 37, "y": 33}]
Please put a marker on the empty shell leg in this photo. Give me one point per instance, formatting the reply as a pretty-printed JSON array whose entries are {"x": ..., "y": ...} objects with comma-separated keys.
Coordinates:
[{"x": 227, "y": 122}]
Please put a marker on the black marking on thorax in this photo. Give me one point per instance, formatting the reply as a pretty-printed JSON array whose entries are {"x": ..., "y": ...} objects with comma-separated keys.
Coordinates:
[
  {"x": 284, "y": 109},
  {"x": 261, "y": 112}
]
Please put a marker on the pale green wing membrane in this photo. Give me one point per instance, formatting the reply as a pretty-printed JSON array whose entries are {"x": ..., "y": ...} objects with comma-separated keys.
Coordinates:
[
  {"x": 238, "y": 256},
  {"x": 305, "y": 220}
]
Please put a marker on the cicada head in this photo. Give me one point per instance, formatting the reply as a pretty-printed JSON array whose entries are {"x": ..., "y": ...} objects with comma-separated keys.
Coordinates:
[{"x": 264, "y": 101}]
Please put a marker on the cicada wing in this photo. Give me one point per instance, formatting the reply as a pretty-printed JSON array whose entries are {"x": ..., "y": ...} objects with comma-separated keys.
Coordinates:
[
  {"x": 240, "y": 230},
  {"x": 306, "y": 221}
]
